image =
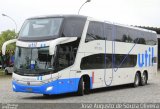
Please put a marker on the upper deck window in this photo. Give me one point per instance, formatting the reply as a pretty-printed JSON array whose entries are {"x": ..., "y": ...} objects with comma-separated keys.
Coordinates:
[
  {"x": 73, "y": 27},
  {"x": 41, "y": 27}
]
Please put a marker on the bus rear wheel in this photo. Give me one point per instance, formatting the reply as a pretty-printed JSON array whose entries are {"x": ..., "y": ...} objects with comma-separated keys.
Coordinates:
[
  {"x": 136, "y": 80},
  {"x": 144, "y": 79}
]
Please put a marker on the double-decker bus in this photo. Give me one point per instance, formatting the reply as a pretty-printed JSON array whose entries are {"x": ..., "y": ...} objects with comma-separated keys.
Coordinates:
[{"x": 73, "y": 53}]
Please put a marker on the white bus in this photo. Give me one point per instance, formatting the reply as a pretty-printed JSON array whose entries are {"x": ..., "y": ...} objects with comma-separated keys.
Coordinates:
[{"x": 73, "y": 53}]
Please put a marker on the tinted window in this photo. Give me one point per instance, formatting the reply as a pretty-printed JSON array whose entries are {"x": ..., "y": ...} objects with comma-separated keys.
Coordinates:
[
  {"x": 41, "y": 27},
  {"x": 121, "y": 34},
  {"x": 129, "y": 35},
  {"x": 101, "y": 61},
  {"x": 65, "y": 55},
  {"x": 122, "y": 61},
  {"x": 124, "y": 34},
  {"x": 102, "y": 31},
  {"x": 73, "y": 27},
  {"x": 141, "y": 38},
  {"x": 93, "y": 62},
  {"x": 108, "y": 31},
  {"x": 150, "y": 39},
  {"x": 95, "y": 31}
]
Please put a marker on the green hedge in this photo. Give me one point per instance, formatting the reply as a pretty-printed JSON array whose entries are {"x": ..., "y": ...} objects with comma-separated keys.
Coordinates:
[{"x": 1, "y": 72}]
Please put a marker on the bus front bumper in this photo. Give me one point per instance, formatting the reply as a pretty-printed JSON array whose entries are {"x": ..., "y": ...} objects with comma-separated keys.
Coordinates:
[
  {"x": 48, "y": 88},
  {"x": 55, "y": 87}
]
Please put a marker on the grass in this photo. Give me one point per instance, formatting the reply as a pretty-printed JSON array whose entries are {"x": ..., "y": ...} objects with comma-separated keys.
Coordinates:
[{"x": 1, "y": 72}]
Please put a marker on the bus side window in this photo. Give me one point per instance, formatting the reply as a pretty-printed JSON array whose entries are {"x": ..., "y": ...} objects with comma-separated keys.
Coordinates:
[
  {"x": 94, "y": 32},
  {"x": 108, "y": 31}
]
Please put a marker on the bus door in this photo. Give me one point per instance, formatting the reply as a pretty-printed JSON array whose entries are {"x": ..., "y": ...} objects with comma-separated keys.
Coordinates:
[
  {"x": 66, "y": 58},
  {"x": 72, "y": 73}
]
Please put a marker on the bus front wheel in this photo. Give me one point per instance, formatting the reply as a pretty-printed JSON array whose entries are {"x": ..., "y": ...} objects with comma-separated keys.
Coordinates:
[
  {"x": 81, "y": 87},
  {"x": 136, "y": 80}
]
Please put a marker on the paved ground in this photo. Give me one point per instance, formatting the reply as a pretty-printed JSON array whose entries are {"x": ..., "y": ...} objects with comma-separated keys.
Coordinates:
[{"x": 119, "y": 94}]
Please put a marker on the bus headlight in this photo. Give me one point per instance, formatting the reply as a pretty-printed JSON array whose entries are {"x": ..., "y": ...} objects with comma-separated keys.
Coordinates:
[
  {"x": 49, "y": 88},
  {"x": 13, "y": 86}
]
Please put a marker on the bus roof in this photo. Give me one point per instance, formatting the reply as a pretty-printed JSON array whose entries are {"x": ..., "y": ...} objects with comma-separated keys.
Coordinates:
[
  {"x": 64, "y": 16},
  {"x": 91, "y": 19}
]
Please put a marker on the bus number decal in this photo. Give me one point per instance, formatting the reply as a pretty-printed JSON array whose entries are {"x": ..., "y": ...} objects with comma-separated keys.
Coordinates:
[
  {"x": 34, "y": 44},
  {"x": 39, "y": 78}
]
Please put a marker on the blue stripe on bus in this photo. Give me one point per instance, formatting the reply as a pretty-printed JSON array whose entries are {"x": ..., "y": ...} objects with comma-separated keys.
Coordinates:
[{"x": 59, "y": 86}]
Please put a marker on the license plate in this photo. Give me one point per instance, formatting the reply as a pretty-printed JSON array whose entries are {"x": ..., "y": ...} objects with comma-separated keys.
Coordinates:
[{"x": 29, "y": 89}]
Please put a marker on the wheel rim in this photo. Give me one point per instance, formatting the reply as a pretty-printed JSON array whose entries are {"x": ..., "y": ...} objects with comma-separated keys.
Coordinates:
[
  {"x": 83, "y": 86},
  {"x": 137, "y": 80},
  {"x": 144, "y": 78}
]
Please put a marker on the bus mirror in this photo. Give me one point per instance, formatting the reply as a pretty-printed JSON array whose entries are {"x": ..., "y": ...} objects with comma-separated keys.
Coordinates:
[
  {"x": 7, "y": 43},
  {"x": 58, "y": 41}
]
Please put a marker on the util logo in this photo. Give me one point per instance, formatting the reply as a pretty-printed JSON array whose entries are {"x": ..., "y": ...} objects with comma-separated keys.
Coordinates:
[{"x": 146, "y": 59}]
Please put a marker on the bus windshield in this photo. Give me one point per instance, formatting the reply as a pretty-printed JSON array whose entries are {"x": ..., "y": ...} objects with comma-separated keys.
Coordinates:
[
  {"x": 33, "y": 60},
  {"x": 41, "y": 27}
]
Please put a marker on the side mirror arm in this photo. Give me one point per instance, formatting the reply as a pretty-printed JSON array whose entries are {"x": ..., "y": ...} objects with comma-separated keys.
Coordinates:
[
  {"x": 7, "y": 43},
  {"x": 58, "y": 41}
]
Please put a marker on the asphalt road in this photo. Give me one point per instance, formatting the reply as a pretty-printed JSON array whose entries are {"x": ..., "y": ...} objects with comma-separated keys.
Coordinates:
[{"x": 118, "y": 94}]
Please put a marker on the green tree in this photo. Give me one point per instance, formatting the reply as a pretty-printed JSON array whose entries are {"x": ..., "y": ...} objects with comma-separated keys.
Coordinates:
[{"x": 5, "y": 36}]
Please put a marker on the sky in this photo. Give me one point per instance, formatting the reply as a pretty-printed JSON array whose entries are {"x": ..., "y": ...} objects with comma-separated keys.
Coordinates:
[{"x": 128, "y": 12}]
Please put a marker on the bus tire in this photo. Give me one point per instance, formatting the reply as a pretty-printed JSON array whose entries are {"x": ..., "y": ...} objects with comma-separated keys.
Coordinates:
[
  {"x": 81, "y": 87},
  {"x": 136, "y": 80},
  {"x": 144, "y": 79}
]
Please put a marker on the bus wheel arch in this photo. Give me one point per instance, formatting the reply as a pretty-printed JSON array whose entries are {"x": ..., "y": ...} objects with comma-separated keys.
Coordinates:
[
  {"x": 144, "y": 78},
  {"x": 84, "y": 85}
]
